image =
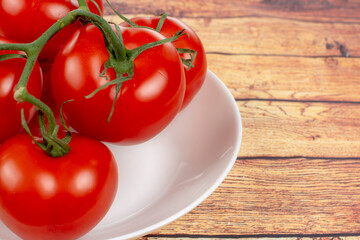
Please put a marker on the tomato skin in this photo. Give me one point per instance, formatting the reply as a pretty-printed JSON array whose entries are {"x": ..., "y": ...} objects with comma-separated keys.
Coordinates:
[
  {"x": 24, "y": 21},
  {"x": 147, "y": 103},
  {"x": 10, "y": 72},
  {"x": 55, "y": 198},
  {"x": 195, "y": 76}
]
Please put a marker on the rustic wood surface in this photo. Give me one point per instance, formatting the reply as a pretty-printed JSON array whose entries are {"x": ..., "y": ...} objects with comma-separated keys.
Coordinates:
[{"x": 293, "y": 68}]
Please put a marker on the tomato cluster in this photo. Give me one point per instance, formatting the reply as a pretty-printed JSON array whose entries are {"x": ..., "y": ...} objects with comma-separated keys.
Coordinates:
[{"x": 136, "y": 90}]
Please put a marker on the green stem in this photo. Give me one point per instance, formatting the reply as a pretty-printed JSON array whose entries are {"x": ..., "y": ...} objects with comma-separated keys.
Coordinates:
[
  {"x": 137, "y": 51},
  {"x": 30, "y": 62},
  {"x": 108, "y": 32},
  {"x": 15, "y": 46},
  {"x": 128, "y": 21},
  {"x": 161, "y": 22},
  {"x": 83, "y": 5},
  {"x": 36, "y": 46},
  {"x": 98, "y": 7},
  {"x": 21, "y": 94}
]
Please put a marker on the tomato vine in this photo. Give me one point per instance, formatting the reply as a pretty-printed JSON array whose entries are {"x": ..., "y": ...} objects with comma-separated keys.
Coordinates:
[{"x": 121, "y": 60}]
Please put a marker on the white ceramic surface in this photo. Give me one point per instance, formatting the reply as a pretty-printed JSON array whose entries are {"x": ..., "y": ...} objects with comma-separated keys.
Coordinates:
[{"x": 169, "y": 175}]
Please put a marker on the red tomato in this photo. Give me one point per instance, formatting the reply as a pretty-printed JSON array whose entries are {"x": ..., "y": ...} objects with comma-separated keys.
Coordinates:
[
  {"x": 195, "y": 76},
  {"x": 55, "y": 198},
  {"x": 25, "y": 20},
  {"x": 10, "y": 72},
  {"x": 146, "y": 104}
]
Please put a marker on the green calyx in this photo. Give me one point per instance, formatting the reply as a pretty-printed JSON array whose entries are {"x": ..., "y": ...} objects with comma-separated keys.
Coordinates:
[
  {"x": 51, "y": 144},
  {"x": 188, "y": 62},
  {"x": 124, "y": 67}
]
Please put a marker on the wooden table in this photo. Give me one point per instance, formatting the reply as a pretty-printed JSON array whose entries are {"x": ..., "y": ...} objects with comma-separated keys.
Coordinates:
[{"x": 294, "y": 69}]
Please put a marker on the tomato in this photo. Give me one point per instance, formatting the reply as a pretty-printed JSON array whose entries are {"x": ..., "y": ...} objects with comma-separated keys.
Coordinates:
[
  {"x": 10, "y": 72},
  {"x": 24, "y": 21},
  {"x": 195, "y": 76},
  {"x": 42, "y": 197},
  {"x": 146, "y": 104}
]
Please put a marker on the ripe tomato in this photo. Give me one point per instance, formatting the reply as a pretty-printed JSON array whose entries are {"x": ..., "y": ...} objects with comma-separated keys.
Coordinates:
[
  {"x": 10, "y": 72},
  {"x": 146, "y": 104},
  {"x": 42, "y": 197},
  {"x": 24, "y": 21},
  {"x": 195, "y": 76}
]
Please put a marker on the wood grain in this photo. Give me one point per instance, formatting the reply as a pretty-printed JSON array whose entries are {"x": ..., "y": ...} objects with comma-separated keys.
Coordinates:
[
  {"x": 314, "y": 237},
  {"x": 280, "y": 196},
  {"x": 328, "y": 10},
  {"x": 288, "y": 78},
  {"x": 281, "y": 128},
  {"x": 271, "y": 36}
]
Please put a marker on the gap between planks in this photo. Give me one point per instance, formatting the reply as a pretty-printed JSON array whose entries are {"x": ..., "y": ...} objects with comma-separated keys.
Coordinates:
[
  {"x": 336, "y": 236},
  {"x": 279, "y": 55},
  {"x": 294, "y": 100}
]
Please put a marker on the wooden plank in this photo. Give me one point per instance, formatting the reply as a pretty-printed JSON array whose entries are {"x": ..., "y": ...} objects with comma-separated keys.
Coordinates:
[
  {"x": 336, "y": 237},
  {"x": 279, "y": 196},
  {"x": 272, "y": 128},
  {"x": 292, "y": 78},
  {"x": 335, "y": 10},
  {"x": 289, "y": 76},
  {"x": 183, "y": 238},
  {"x": 271, "y": 36}
]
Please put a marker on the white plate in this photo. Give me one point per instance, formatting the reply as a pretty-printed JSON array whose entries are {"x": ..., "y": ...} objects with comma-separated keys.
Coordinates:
[{"x": 169, "y": 175}]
